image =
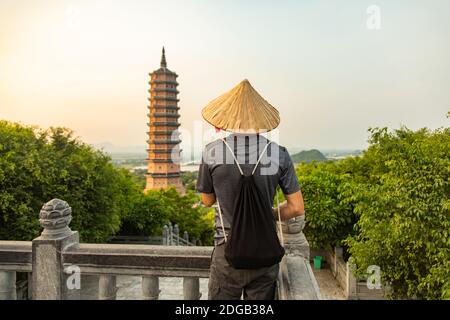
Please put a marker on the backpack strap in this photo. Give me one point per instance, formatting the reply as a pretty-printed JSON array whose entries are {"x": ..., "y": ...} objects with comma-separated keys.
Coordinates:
[
  {"x": 279, "y": 221},
  {"x": 234, "y": 157},
  {"x": 221, "y": 220},
  {"x": 217, "y": 198},
  {"x": 260, "y": 156},
  {"x": 237, "y": 163}
]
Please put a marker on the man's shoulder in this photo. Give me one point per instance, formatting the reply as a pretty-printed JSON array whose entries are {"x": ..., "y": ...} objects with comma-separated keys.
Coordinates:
[
  {"x": 276, "y": 145},
  {"x": 282, "y": 151}
]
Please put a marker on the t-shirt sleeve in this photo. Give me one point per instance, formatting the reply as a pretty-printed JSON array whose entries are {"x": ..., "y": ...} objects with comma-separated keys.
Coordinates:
[
  {"x": 204, "y": 179},
  {"x": 288, "y": 179}
]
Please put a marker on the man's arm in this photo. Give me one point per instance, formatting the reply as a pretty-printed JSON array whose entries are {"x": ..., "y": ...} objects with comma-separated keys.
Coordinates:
[
  {"x": 292, "y": 207},
  {"x": 208, "y": 199}
]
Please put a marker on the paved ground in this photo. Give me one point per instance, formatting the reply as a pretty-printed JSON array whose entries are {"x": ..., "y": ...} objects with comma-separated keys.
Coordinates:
[
  {"x": 329, "y": 287},
  {"x": 171, "y": 288},
  {"x": 129, "y": 288}
]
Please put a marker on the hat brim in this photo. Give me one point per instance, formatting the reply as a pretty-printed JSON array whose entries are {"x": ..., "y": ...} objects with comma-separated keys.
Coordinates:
[{"x": 242, "y": 110}]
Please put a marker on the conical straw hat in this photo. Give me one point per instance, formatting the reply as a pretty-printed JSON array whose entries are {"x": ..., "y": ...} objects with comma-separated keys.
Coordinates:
[{"x": 242, "y": 109}]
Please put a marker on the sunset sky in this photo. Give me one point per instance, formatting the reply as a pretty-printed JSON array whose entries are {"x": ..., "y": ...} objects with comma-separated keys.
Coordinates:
[{"x": 85, "y": 64}]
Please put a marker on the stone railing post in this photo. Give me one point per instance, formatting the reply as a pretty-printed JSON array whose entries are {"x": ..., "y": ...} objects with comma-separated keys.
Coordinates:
[
  {"x": 338, "y": 256},
  {"x": 165, "y": 236},
  {"x": 150, "y": 288},
  {"x": 339, "y": 253},
  {"x": 351, "y": 292},
  {"x": 186, "y": 236},
  {"x": 191, "y": 288},
  {"x": 8, "y": 285},
  {"x": 296, "y": 279},
  {"x": 295, "y": 241},
  {"x": 107, "y": 287},
  {"x": 176, "y": 232},
  {"x": 170, "y": 234},
  {"x": 49, "y": 281}
]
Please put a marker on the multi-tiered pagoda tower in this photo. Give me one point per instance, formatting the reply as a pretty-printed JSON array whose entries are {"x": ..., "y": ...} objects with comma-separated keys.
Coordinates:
[{"x": 163, "y": 150}]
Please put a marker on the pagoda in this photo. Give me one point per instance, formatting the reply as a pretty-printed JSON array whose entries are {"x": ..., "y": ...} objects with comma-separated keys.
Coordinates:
[{"x": 163, "y": 168}]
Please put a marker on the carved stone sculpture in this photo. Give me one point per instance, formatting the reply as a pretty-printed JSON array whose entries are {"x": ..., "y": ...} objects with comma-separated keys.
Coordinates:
[{"x": 55, "y": 217}]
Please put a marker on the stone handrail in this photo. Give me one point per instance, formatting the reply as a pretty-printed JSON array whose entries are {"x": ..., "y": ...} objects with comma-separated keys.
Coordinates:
[
  {"x": 56, "y": 258},
  {"x": 15, "y": 256},
  {"x": 155, "y": 260},
  {"x": 296, "y": 280}
]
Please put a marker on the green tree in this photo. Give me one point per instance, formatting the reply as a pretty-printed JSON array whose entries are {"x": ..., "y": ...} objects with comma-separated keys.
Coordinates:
[
  {"x": 186, "y": 211},
  {"x": 139, "y": 177},
  {"x": 189, "y": 179},
  {"x": 404, "y": 218},
  {"x": 147, "y": 216},
  {"x": 328, "y": 206},
  {"x": 390, "y": 207},
  {"x": 38, "y": 165}
]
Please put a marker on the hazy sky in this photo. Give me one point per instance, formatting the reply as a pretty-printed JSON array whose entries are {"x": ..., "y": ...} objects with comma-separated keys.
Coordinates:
[{"x": 85, "y": 64}]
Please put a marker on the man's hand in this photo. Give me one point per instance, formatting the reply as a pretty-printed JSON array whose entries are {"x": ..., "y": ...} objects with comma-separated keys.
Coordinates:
[{"x": 292, "y": 207}]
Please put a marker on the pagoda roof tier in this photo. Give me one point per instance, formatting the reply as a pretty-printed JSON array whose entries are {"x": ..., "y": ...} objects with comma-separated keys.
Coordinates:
[
  {"x": 164, "y": 175},
  {"x": 169, "y": 160},
  {"x": 164, "y": 90},
  {"x": 170, "y": 124},
  {"x": 163, "y": 98},
  {"x": 151, "y": 160},
  {"x": 164, "y": 70},
  {"x": 165, "y": 132},
  {"x": 163, "y": 114},
  {"x": 166, "y": 141},
  {"x": 169, "y": 107},
  {"x": 164, "y": 150},
  {"x": 163, "y": 81}
]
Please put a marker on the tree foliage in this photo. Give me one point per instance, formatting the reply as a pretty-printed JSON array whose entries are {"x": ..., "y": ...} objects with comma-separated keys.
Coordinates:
[
  {"x": 146, "y": 217},
  {"x": 185, "y": 211},
  {"x": 39, "y": 165},
  {"x": 404, "y": 219},
  {"x": 390, "y": 206},
  {"x": 329, "y": 214},
  {"x": 189, "y": 179}
]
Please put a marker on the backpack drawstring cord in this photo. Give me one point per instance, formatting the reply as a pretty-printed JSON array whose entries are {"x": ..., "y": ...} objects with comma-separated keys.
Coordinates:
[
  {"x": 242, "y": 173},
  {"x": 279, "y": 222}
]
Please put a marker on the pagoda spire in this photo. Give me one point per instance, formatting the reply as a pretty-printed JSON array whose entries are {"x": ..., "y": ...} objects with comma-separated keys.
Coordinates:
[{"x": 163, "y": 59}]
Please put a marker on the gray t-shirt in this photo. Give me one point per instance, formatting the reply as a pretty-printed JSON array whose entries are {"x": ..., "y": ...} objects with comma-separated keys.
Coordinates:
[{"x": 219, "y": 174}]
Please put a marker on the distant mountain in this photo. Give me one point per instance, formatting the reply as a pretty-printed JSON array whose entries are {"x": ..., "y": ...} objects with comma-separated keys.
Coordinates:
[{"x": 308, "y": 156}]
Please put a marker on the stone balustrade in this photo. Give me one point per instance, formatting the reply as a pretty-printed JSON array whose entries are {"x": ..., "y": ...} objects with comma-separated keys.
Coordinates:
[
  {"x": 56, "y": 260},
  {"x": 296, "y": 279}
]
